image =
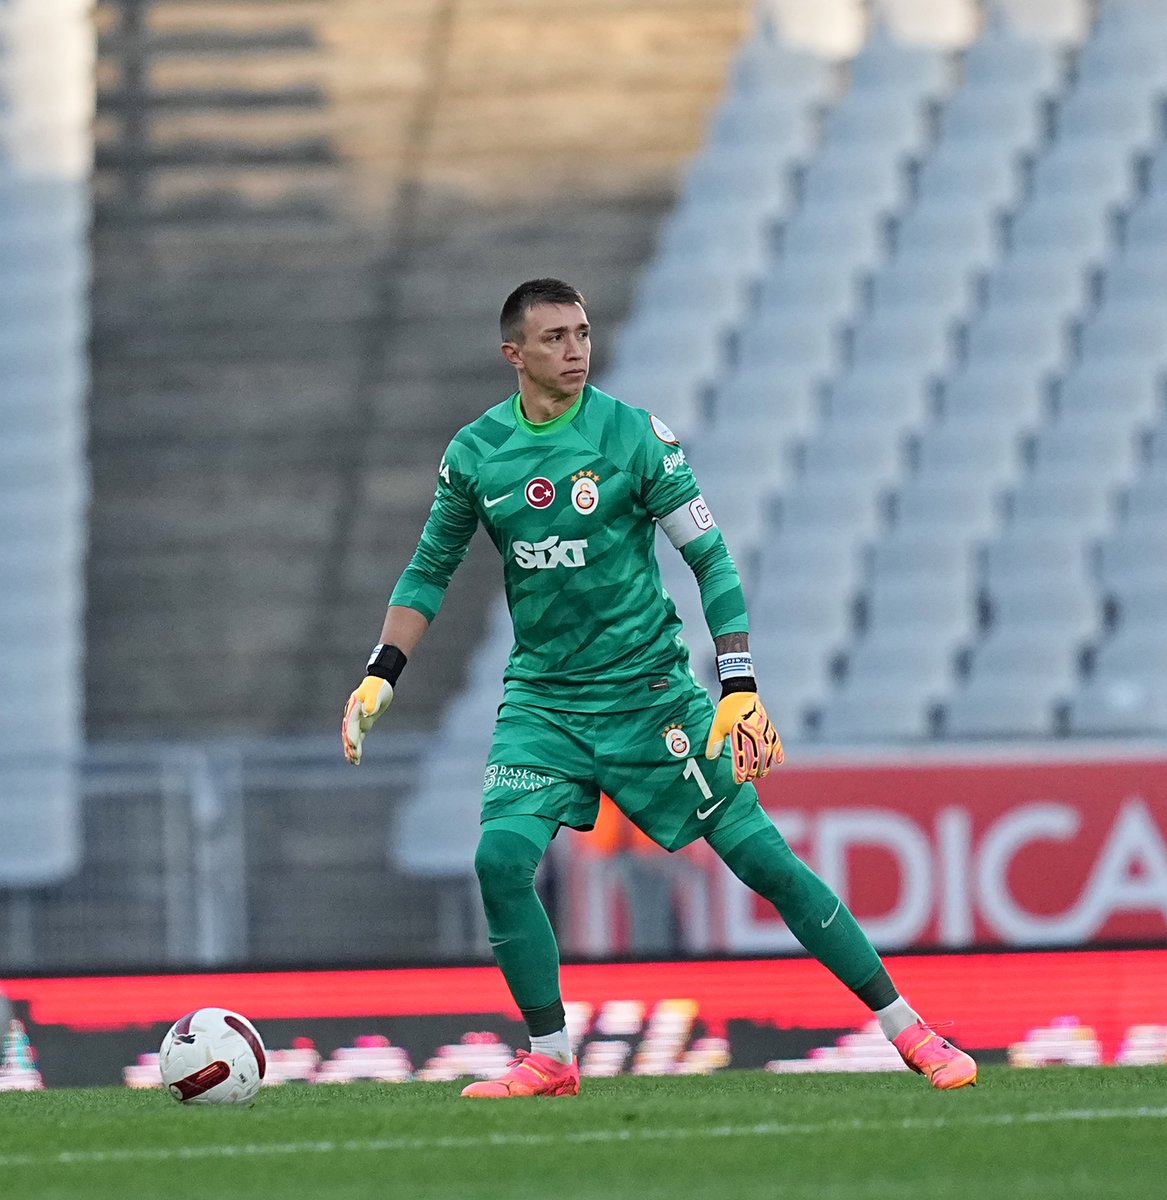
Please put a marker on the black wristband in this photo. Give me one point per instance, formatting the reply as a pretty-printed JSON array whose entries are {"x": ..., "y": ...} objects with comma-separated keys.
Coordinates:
[
  {"x": 739, "y": 683},
  {"x": 386, "y": 662}
]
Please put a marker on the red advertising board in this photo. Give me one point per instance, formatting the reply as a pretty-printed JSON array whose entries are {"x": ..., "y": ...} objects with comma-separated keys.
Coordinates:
[
  {"x": 1084, "y": 1006},
  {"x": 945, "y": 854}
]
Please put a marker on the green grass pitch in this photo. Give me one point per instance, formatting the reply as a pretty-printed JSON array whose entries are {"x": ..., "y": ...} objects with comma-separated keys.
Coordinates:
[{"x": 1054, "y": 1133}]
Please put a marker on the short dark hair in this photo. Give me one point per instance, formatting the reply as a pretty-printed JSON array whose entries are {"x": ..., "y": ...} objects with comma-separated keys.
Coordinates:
[{"x": 529, "y": 295}]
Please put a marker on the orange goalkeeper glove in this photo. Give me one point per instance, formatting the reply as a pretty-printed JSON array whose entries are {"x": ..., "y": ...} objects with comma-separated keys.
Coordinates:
[{"x": 755, "y": 742}]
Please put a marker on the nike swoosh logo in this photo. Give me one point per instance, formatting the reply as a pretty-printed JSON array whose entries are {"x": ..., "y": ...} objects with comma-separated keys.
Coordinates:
[
  {"x": 833, "y": 915},
  {"x": 702, "y": 814},
  {"x": 496, "y": 500}
]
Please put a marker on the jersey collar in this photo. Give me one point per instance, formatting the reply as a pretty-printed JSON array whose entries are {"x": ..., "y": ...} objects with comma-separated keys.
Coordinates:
[{"x": 564, "y": 418}]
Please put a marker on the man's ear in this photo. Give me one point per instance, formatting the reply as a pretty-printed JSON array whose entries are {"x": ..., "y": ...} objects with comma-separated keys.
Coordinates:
[{"x": 512, "y": 353}]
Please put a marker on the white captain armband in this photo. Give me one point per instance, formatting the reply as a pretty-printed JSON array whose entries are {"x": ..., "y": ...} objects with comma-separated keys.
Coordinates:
[{"x": 689, "y": 521}]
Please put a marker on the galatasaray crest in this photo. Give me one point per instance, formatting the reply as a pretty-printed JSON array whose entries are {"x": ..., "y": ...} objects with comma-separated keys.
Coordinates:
[{"x": 585, "y": 492}]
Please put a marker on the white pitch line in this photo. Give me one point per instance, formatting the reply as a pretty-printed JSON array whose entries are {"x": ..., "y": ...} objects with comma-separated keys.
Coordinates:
[{"x": 578, "y": 1137}]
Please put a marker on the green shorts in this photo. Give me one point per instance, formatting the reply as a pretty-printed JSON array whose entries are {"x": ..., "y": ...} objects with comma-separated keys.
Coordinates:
[{"x": 651, "y": 763}]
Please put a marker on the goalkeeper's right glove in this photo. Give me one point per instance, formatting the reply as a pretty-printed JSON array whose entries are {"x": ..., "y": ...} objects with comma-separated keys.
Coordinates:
[
  {"x": 364, "y": 706},
  {"x": 371, "y": 699}
]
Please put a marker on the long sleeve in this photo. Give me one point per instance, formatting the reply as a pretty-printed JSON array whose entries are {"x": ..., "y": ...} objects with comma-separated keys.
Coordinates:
[
  {"x": 673, "y": 496},
  {"x": 444, "y": 540},
  {"x": 722, "y": 599}
]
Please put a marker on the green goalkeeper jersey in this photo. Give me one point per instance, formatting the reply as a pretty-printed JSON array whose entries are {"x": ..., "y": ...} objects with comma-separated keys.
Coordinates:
[{"x": 572, "y": 507}]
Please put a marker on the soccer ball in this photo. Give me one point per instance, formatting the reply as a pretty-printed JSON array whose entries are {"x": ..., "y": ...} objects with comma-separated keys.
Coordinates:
[{"x": 212, "y": 1056}]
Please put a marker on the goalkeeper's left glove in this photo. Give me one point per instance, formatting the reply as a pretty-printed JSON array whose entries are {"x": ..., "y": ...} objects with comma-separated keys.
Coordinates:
[{"x": 755, "y": 742}]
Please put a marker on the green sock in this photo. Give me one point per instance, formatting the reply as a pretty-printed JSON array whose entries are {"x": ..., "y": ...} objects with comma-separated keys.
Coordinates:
[
  {"x": 812, "y": 911},
  {"x": 520, "y": 934}
]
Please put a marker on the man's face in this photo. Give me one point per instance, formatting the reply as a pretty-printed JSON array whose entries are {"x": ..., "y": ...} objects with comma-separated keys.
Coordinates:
[{"x": 555, "y": 349}]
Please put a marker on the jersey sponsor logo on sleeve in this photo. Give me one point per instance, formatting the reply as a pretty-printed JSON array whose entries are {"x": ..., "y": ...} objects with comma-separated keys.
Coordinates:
[
  {"x": 551, "y": 552},
  {"x": 677, "y": 741},
  {"x": 662, "y": 431},
  {"x": 673, "y": 460},
  {"x": 585, "y": 492},
  {"x": 539, "y": 492}
]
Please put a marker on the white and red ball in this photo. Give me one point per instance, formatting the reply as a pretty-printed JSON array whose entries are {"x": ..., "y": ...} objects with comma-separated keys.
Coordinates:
[{"x": 212, "y": 1056}]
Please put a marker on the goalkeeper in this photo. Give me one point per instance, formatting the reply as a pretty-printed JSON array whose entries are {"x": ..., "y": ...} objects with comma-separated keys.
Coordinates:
[{"x": 570, "y": 484}]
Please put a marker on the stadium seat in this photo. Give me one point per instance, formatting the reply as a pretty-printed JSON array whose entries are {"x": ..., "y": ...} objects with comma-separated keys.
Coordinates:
[
  {"x": 1145, "y": 230},
  {"x": 908, "y": 555},
  {"x": 807, "y": 505},
  {"x": 1128, "y": 331},
  {"x": 1136, "y": 279},
  {"x": 1124, "y": 56},
  {"x": 929, "y": 610},
  {"x": 1038, "y": 557},
  {"x": 1141, "y": 604},
  {"x": 970, "y": 232},
  {"x": 904, "y": 660},
  {"x": 954, "y": 173},
  {"x": 1156, "y": 439},
  {"x": 1117, "y": 708},
  {"x": 1060, "y": 501},
  {"x": 890, "y": 64},
  {"x": 1110, "y": 110},
  {"x": 1035, "y": 337},
  {"x": 1024, "y": 280},
  {"x": 1130, "y": 393},
  {"x": 912, "y": 280},
  {"x": 869, "y": 714},
  {"x": 990, "y": 389},
  {"x": 821, "y": 613},
  {"x": 1091, "y": 445},
  {"x": 896, "y": 121},
  {"x": 736, "y": 184},
  {"x": 890, "y": 340},
  {"x": 1132, "y": 555},
  {"x": 1055, "y": 225},
  {"x": 842, "y": 177},
  {"x": 811, "y": 237},
  {"x": 1001, "y": 60},
  {"x": 872, "y": 452},
  {"x": 1039, "y": 606},
  {"x": 995, "y": 120},
  {"x": 1134, "y": 653},
  {"x": 893, "y": 394},
  {"x": 1145, "y": 501},
  {"x": 967, "y": 448},
  {"x": 797, "y": 554},
  {"x": 802, "y": 342},
  {"x": 965, "y": 509},
  {"x": 766, "y": 65},
  {"x": 782, "y": 404},
  {"x": 994, "y": 709},
  {"x": 765, "y": 122}
]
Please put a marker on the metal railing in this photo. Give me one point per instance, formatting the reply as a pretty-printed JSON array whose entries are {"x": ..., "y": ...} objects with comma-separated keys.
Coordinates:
[{"x": 257, "y": 852}]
